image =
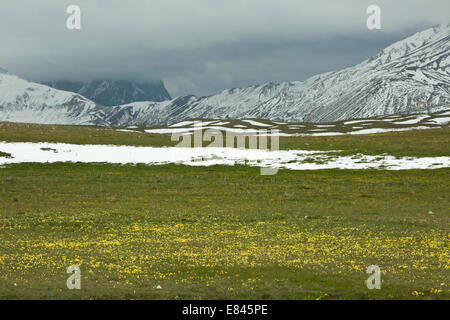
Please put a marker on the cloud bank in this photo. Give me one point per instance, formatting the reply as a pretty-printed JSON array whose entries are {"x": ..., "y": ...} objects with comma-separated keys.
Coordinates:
[{"x": 201, "y": 46}]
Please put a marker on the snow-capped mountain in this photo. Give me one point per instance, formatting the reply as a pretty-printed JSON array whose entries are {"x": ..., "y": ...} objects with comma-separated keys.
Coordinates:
[
  {"x": 410, "y": 76},
  {"x": 25, "y": 101},
  {"x": 115, "y": 92}
]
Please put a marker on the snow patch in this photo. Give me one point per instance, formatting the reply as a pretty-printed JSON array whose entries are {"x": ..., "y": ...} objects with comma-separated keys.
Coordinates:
[
  {"x": 26, "y": 152},
  {"x": 412, "y": 121},
  {"x": 441, "y": 121},
  {"x": 256, "y": 123}
]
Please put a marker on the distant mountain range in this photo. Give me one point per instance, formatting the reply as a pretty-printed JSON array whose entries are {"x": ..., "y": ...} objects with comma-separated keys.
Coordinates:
[
  {"x": 410, "y": 76},
  {"x": 114, "y": 92}
]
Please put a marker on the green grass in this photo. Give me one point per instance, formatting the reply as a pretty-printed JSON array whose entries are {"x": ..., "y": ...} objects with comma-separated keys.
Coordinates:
[
  {"x": 26, "y": 132},
  {"x": 419, "y": 143},
  {"x": 432, "y": 142},
  {"x": 5, "y": 154},
  {"x": 222, "y": 232}
]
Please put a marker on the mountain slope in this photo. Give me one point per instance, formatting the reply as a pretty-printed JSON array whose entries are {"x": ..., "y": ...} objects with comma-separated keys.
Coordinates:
[
  {"x": 115, "y": 92},
  {"x": 25, "y": 101},
  {"x": 409, "y": 76}
]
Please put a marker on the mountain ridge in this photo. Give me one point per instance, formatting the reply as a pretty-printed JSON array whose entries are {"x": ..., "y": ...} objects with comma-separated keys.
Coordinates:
[
  {"x": 409, "y": 76},
  {"x": 114, "y": 92},
  {"x": 379, "y": 85}
]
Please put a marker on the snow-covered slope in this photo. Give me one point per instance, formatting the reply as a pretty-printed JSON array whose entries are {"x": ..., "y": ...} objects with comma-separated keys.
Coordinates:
[
  {"x": 24, "y": 101},
  {"x": 410, "y": 76}
]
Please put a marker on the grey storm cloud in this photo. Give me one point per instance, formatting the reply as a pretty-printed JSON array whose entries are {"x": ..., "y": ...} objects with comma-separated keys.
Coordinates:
[{"x": 201, "y": 46}]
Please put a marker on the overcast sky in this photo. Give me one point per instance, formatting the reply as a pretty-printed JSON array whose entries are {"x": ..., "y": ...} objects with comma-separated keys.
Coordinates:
[{"x": 201, "y": 46}]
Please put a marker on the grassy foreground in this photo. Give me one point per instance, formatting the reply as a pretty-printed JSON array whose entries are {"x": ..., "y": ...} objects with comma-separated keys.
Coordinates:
[{"x": 178, "y": 232}]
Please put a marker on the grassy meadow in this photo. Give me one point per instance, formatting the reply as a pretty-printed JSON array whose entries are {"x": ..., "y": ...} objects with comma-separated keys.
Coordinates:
[
  {"x": 221, "y": 232},
  {"x": 430, "y": 143}
]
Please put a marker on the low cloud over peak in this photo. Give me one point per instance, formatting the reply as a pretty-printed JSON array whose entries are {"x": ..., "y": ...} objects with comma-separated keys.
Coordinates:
[{"x": 201, "y": 46}]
